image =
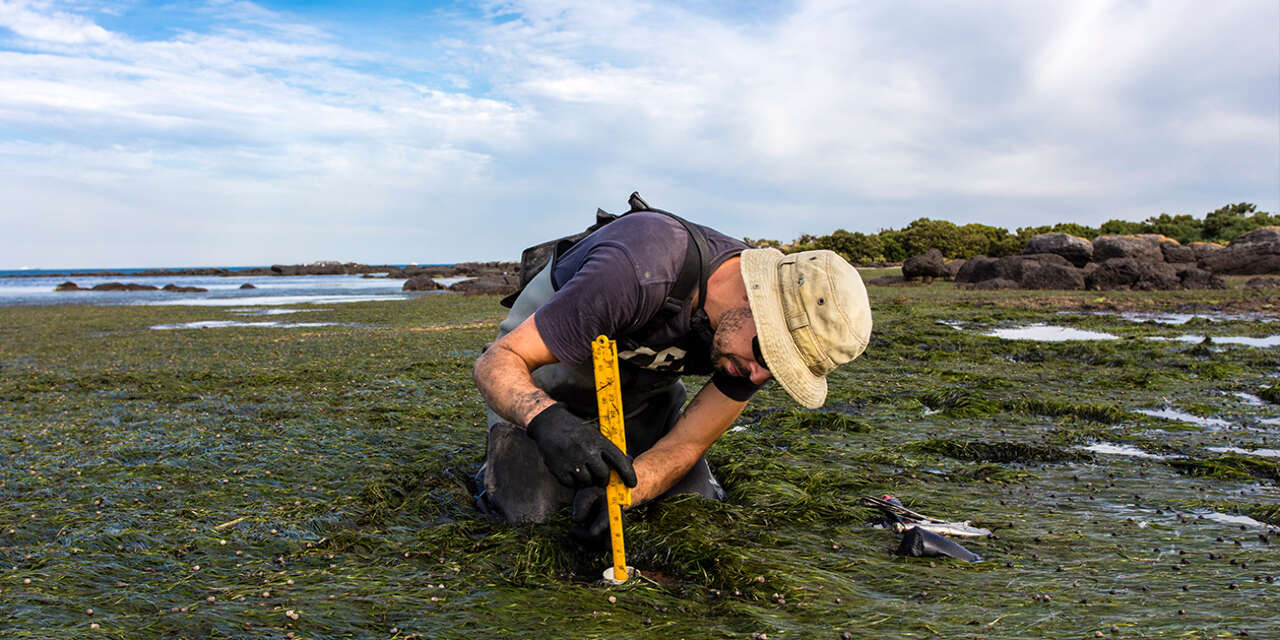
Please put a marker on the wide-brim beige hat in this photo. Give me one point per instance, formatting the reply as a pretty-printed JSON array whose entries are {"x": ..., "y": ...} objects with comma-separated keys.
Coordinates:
[{"x": 812, "y": 315}]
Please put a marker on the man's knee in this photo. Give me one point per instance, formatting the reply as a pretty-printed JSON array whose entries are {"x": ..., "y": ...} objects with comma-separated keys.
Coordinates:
[{"x": 515, "y": 484}]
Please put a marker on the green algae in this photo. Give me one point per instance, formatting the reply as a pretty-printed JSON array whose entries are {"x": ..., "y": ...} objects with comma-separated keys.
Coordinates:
[
  {"x": 1270, "y": 394},
  {"x": 996, "y": 451},
  {"x": 1228, "y": 466},
  {"x": 326, "y": 472}
]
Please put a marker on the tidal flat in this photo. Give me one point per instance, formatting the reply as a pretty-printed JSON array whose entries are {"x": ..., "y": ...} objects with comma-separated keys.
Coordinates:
[{"x": 313, "y": 481}]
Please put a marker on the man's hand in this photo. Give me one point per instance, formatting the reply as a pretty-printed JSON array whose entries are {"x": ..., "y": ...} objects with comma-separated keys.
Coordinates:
[
  {"x": 577, "y": 454},
  {"x": 591, "y": 517}
]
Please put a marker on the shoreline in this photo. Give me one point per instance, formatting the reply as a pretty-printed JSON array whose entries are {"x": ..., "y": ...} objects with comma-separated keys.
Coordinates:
[{"x": 325, "y": 268}]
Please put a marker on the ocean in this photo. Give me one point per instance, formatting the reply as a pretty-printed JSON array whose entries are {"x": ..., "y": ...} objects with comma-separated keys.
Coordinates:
[{"x": 36, "y": 287}]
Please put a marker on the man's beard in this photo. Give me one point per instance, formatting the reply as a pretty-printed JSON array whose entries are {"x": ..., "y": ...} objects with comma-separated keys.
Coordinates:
[{"x": 732, "y": 321}]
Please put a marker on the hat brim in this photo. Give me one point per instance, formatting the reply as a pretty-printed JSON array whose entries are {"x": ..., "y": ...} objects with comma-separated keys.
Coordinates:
[{"x": 759, "y": 269}]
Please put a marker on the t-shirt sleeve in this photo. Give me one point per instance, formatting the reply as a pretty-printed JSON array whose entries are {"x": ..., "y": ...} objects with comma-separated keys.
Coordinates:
[
  {"x": 739, "y": 389},
  {"x": 603, "y": 297}
]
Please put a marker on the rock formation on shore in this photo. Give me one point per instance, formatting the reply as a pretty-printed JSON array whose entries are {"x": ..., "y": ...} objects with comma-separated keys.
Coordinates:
[
  {"x": 421, "y": 283},
  {"x": 500, "y": 284},
  {"x": 1111, "y": 262},
  {"x": 128, "y": 286},
  {"x": 483, "y": 277}
]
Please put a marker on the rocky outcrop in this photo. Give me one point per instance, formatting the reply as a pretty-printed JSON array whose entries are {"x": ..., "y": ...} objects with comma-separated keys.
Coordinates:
[
  {"x": 1121, "y": 262},
  {"x": 1076, "y": 250},
  {"x": 499, "y": 284},
  {"x": 928, "y": 265},
  {"x": 952, "y": 267},
  {"x": 122, "y": 286},
  {"x": 1122, "y": 274},
  {"x": 1176, "y": 253},
  {"x": 1196, "y": 278},
  {"x": 1205, "y": 249},
  {"x": 1155, "y": 276},
  {"x": 1134, "y": 247},
  {"x": 982, "y": 268},
  {"x": 1013, "y": 267},
  {"x": 128, "y": 286},
  {"x": 1251, "y": 253},
  {"x": 977, "y": 269},
  {"x": 320, "y": 268},
  {"x": 1052, "y": 276},
  {"x": 421, "y": 283}
]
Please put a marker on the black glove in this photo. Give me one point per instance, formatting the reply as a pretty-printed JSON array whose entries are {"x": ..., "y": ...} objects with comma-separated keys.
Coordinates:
[
  {"x": 577, "y": 454},
  {"x": 591, "y": 518}
]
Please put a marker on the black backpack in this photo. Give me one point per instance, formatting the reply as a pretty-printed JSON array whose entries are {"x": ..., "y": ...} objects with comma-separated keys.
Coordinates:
[{"x": 693, "y": 272}]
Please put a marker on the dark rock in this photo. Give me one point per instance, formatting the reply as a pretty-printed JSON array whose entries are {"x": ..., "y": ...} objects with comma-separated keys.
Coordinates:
[
  {"x": 1262, "y": 283},
  {"x": 248, "y": 285},
  {"x": 1255, "y": 252},
  {"x": 1114, "y": 274},
  {"x": 1202, "y": 249},
  {"x": 952, "y": 267},
  {"x": 1088, "y": 270},
  {"x": 1157, "y": 276},
  {"x": 1012, "y": 267},
  {"x": 926, "y": 265},
  {"x": 977, "y": 269},
  {"x": 1134, "y": 247},
  {"x": 483, "y": 268},
  {"x": 1052, "y": 276},
  {"x": 421, "y": 283},
  {"x": 995, "y": 283},
  {"x": 173, "y": 288},
  {"x": 488, "y": 284},
  {"x": 1076, "y": 250},
  {"x": 1194, "y": 278},
  {"x": 980, "y": 268},
  {"x": 1175, "y": 253},
  {"x": 119, "y": 286},
  {"x": 68, "y": 286},
  {"x": 1120, "y": 274}
]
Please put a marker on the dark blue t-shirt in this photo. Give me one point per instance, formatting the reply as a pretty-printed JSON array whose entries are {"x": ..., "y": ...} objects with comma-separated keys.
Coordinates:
[{"x": 614, "y": 282}]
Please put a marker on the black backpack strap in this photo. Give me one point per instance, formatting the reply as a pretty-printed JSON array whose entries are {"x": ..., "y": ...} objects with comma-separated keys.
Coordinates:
[{"x": 694, "y": 271}]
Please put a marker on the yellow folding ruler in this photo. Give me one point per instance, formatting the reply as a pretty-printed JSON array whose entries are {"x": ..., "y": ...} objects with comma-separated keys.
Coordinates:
[{"x": 609, "y": 400}]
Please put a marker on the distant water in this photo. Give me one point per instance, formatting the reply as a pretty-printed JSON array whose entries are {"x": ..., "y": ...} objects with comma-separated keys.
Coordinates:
[
  {"x": 48, "y": 272},
  {"x": 36, "y": 287}
]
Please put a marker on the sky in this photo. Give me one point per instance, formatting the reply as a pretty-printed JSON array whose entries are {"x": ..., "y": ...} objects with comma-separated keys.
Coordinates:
[{"x": 149, "y": 134}]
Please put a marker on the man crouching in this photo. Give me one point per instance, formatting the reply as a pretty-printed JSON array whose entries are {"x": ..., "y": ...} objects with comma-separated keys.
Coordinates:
[{"x": 680, "y": 299}]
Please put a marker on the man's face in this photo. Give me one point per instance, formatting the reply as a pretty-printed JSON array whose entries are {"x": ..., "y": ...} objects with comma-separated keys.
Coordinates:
[{"x": 731, "y": 347}]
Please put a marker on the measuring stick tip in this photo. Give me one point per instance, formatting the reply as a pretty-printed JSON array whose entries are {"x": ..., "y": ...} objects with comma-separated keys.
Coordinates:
[{"x": 609, "y": 573}]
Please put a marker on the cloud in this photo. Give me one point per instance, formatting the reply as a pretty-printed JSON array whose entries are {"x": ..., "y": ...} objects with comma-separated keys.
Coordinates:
[
  {"x": 258, "y": 135},
  {"x": 37, "y": 21},
  {"x": 1084, "y": 108}
]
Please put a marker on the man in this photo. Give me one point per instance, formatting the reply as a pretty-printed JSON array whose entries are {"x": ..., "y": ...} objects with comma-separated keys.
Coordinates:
[{"x": 755, "y": 315}]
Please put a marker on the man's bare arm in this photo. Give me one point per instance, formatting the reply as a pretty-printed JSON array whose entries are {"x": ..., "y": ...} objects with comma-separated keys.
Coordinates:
[
  {"x": 706, "y": 418},
  {"x": 504, "y": 371}
]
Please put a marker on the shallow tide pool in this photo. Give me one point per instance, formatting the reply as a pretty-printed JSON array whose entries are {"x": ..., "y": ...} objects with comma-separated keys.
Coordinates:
[
  {"x": 224, "y": 324},
  {"x": 1048, "y": 333}
]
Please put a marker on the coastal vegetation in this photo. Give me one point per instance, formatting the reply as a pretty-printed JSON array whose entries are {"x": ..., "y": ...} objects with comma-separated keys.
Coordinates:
[
  {"x": 968, "y": 240},
  {"x": 314, "y": 481}
]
